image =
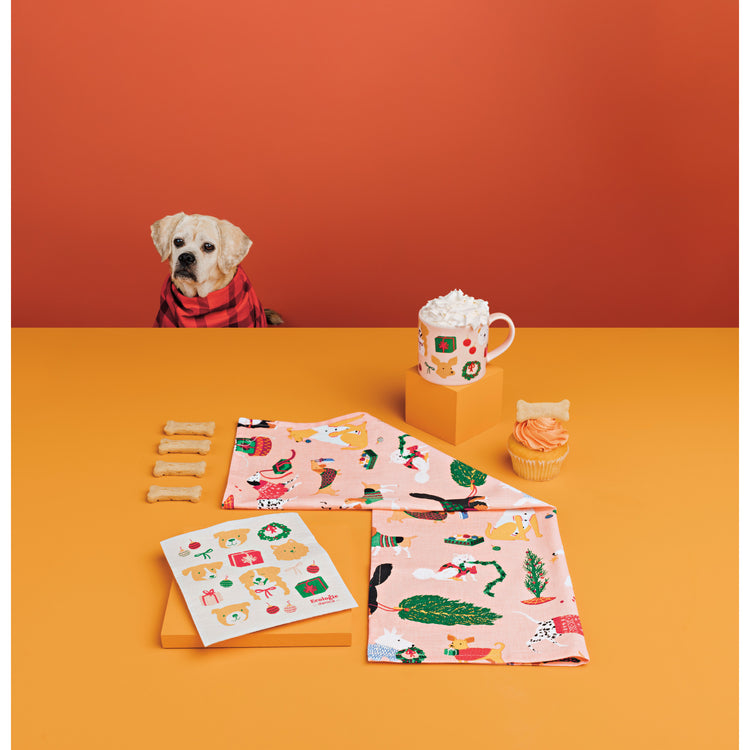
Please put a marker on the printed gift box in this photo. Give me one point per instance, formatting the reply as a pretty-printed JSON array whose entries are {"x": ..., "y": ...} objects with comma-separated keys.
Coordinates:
[
  {"x": 211, "y": 597},
  {"x": 244, "y": 559},
  {"x": 311, "y": 587}
]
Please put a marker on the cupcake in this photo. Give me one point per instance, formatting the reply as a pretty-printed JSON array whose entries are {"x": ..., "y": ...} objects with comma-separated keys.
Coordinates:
[{"x": 539, "y": 443}]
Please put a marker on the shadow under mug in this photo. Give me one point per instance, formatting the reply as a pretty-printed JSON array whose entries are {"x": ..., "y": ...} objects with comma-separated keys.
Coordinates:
[{"x": 457, "y": 355}]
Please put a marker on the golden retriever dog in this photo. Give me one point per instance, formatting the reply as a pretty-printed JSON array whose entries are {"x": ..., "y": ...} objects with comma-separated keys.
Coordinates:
[{"x": 207, "y": 287}]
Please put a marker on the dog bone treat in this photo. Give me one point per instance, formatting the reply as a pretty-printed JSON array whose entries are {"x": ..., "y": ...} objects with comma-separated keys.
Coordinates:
[
  {"x": 189, "y": 428},
  {"x": 157, "y": 493},
  {"x": 179, "y": 468},
  {"x": 184, "y": 446},
  {"x": 556, "y": 410}
]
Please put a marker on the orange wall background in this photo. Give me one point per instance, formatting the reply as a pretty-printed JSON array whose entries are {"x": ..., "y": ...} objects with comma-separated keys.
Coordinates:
[{"x": 574, "y": 163}]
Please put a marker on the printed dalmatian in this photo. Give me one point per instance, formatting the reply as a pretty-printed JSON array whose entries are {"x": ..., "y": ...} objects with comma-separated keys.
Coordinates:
[
  {"x": 553, "y": 628},
  {"x": 271, "y": 494}
]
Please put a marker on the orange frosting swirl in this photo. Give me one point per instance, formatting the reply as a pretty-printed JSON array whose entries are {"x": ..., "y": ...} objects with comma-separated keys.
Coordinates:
[{"x": 542, "y": 434}]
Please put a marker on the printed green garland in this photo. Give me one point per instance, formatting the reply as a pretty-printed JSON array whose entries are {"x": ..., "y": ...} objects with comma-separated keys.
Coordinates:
[
  {"x": 438, "y": 610},
  {"x": 272, "y": 532},
  {"x": 500, "y": 573}
]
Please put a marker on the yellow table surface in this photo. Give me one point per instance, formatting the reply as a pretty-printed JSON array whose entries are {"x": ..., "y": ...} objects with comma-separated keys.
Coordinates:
[{"x": 648, "y": 512}]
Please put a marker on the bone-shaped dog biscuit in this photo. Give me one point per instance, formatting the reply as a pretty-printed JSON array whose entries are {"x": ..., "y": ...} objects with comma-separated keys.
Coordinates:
[
  {"x": 184, "y": 446},
  {"x": 157, "y": 493},
  {"x": 557, "y": 409},
  {"x": 189, "y": 428},
  {"x": 179, "y": 468}
]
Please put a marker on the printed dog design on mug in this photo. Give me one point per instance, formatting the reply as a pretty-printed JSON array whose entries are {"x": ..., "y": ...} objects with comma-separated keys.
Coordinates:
[
  {"x": 444, "y": 369},
  {"x": 423, "y": 335},
  {"x": 203, "y": 571},
  {"x": 232, "y": 538},
  {"x": 232, "y": 614}
]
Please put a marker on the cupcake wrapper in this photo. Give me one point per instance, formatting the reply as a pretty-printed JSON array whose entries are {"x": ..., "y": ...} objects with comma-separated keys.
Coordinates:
[{"x": 537, "y": 471}]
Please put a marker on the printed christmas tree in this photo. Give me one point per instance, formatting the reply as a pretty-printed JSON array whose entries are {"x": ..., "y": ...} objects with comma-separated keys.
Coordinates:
[
  {"x": 439, "y": 610},
  {"x": 536, "y": 578},
  {"x": 467, "y": 476}
]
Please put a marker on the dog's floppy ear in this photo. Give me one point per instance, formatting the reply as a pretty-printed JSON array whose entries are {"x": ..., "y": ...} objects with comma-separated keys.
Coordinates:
[
  {"x": 162, "y": 230},
  {"x": 235, "y": 245}
]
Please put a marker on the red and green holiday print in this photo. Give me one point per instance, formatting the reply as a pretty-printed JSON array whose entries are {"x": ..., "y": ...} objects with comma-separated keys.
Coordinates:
[
  {"x": 311, "y": 587},
  {"x": 536, "y": 578},
  {"x": 254, "y": 446},
  {"x": 471, "y": 369},
  {"x": 445, "y": 344}
]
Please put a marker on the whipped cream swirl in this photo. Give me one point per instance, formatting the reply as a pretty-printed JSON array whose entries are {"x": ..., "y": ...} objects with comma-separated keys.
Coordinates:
[{"x": 456, "y": 310}]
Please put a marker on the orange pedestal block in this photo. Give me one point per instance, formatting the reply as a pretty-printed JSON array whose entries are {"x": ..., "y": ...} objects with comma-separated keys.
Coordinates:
[{"x": 454, "y": 413}]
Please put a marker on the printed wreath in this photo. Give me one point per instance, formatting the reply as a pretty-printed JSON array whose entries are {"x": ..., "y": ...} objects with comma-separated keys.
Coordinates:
[
  {"x": 272, "y": 532},
  {"x": 471, "y": 369},
  {"x": 411, "y": 655}
]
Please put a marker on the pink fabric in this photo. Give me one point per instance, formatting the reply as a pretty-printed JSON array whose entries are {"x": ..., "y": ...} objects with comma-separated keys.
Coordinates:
[{"x": 464, "y": 568}]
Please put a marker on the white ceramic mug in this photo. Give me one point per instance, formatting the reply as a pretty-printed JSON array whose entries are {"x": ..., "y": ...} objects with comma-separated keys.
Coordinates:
[{"x": 457, "y": 355}]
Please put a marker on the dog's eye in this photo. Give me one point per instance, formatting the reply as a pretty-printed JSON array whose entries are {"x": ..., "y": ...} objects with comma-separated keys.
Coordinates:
[
  {"x": 208, "y": 247},
  {"x": 178, "y": 242}
]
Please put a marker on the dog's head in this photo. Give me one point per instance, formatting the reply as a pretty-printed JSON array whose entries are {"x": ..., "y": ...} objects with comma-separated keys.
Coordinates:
[
  {"x": 203, "y": 252},
  {"x": 290, "y": 550},
  {"x": 232, "y": 538},
  {"x": 204, "y": 571},
  {"x": 232, "y": 614}
]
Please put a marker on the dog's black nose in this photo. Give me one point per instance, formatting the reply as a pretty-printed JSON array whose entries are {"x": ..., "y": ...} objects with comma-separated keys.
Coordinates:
[{"x": 186, "y": 258}]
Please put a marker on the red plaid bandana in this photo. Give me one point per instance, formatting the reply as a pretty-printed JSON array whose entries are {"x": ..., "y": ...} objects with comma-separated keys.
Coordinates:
[{"x": 234, "y": 306}]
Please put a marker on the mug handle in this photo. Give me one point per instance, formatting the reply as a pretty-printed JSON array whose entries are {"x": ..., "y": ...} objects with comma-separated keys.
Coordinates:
[{"x": 508, "y": 341}]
